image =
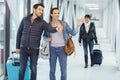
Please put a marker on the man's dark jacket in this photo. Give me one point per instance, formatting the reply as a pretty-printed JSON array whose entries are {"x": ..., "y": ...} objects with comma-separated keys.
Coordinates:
[
  {"x": 29, "y": 34},
  {"x": 91, "y": 35}
]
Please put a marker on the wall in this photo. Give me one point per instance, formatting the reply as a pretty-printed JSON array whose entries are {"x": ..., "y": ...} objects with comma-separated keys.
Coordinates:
[
  {"x": 112, "y": 27},
  {"x": 118, "y": 39}
]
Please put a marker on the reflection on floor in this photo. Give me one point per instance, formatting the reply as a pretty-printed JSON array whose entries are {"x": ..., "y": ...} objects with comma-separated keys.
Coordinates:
[{"x": 76, "y": 71}]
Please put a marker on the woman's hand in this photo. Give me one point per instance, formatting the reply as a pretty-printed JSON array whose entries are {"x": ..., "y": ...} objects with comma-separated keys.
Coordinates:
[{"x": 80, "y": 22}]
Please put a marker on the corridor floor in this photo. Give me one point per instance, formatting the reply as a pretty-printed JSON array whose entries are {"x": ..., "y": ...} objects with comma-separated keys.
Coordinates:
[{"x": 75, "y": 70}]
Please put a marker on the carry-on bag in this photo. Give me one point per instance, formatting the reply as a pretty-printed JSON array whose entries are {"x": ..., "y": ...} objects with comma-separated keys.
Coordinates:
[
  {"x": 97, "y": 55},
  {"x": 13, "y": 65}
]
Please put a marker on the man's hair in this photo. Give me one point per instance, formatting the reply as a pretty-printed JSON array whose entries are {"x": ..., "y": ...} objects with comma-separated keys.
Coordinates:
[
  {"x": 36, "y": 5},
  {"x": 87, "y": 16}
]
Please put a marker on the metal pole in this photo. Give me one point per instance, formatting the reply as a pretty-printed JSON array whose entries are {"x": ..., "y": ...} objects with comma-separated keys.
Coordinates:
[
  {"x": 7, "y": 36},
  {"x": 28, "y": 6}
]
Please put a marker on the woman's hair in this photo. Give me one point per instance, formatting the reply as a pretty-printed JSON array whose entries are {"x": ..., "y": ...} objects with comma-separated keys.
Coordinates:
[{"x": 51, "y": 12}]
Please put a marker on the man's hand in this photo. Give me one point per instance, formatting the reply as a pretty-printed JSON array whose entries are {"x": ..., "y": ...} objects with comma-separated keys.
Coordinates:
[
  {"x": 97, "y": 44},
  {"x": 48, "y": 39},
  {"x": 79, "y": 44},
  {"x": 17, "y": 51}
]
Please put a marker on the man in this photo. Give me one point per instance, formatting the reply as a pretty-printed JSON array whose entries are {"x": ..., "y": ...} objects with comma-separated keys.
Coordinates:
[
  {"x": 87, "y": 34},
  {"x": 28, "y": 40}
]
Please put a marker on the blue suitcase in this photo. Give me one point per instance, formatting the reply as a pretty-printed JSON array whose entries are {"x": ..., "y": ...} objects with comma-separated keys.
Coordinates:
[{"x": 13, "y": 69}]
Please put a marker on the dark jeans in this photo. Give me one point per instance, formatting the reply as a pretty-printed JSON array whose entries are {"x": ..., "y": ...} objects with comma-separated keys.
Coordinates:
[
  {"x": 32, "y": 54},
  {"x": 85, "y": 47}
]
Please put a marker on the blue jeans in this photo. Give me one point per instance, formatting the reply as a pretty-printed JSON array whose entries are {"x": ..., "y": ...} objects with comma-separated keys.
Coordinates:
[
  {"x": 24, "y": 55},
  {"x": 62, "y": 57},
  {"x": 85, "y": 47}
]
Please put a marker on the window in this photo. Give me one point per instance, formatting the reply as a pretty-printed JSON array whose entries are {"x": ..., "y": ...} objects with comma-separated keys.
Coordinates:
[{"x": 2, "y": 30}]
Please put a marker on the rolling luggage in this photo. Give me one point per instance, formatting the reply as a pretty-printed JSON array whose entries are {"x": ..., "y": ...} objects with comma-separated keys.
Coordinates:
[
  {"x": 97, "y": 56},
  {"x": 13, "y": 65}
]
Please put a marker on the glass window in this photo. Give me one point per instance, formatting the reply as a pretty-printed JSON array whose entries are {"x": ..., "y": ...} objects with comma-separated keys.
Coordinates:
[
  {"x": 20, "y": 8},
  {"x": 34, "y": 2},
  {"x": 2, "y": 37}
]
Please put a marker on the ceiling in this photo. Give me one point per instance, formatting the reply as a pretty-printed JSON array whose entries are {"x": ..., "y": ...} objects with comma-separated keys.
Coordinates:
[{"x": 99, "y": 3}]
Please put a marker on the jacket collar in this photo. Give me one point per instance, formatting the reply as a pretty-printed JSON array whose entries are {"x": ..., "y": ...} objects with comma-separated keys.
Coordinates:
[{"x": 38, "y": 18}]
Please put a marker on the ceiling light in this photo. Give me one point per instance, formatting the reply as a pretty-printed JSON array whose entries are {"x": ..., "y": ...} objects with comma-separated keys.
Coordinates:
[
  {"x": 91, "y": 5},
  {"x": 93, "y": 8}
]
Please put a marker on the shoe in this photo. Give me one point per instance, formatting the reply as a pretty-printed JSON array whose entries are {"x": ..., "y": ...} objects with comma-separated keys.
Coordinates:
[
  {"x": 86, "y": 66},
  {"x": 92, "y": 65}
]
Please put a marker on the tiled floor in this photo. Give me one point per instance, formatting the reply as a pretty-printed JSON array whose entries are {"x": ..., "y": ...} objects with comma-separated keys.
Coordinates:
[{"x": 76, "y": 71}]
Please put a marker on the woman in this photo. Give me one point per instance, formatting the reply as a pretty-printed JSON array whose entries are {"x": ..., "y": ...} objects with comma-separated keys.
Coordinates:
[{"x": 57, "y": 43}]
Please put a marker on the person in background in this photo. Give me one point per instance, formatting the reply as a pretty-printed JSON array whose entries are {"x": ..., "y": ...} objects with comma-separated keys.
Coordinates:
[
  {"x": 57, "y": 42},
  {"x": 28, "y": 40},
  {"x": 87, "y": 34}
]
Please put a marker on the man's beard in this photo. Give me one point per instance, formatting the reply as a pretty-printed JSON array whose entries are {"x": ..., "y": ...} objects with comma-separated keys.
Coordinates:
[{"x": 37, "y": 15}]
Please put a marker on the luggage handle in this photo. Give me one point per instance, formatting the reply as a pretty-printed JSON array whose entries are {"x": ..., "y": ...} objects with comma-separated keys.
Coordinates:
[
  {"x": 13, "y": 59},
  {"x": 97, "y": 45}
]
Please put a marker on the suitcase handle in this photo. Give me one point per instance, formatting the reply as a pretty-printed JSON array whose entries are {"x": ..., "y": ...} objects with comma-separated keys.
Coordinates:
[
  {"x": 13, "y": 52},
  {"x": 13, "y": 59},
  {"x": 97, "y": 45}
]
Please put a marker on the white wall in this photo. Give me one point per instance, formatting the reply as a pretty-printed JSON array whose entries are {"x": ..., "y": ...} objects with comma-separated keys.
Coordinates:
[
  {"x": 111, "y": 25},
  {"x": 118, "y": 39},
  {"x": 109, "y": 22}
]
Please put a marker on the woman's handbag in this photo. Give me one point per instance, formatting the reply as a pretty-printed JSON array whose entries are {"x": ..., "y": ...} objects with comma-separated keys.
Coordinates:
[
  {"x": 44, "y": 52},
  {"x": 69, "y": 47}
]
